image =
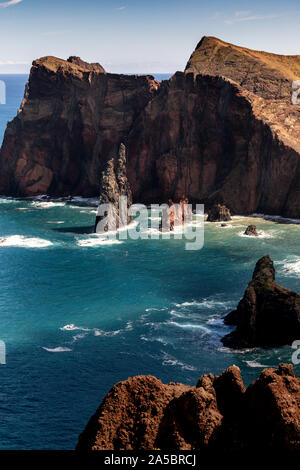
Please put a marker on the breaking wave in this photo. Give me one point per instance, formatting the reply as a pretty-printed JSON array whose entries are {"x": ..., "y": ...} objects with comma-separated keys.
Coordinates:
[
  {"x": 94, "y": 242},
  {"x": 47, "y": 204},
  {"x": 58, "y": 349},
  {"x": 25, "y": 242}
]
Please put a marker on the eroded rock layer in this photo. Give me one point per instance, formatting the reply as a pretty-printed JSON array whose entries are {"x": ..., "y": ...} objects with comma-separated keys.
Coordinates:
[
  {"x": 224, "y": 131},
  {"x": 219, "y": 413}
]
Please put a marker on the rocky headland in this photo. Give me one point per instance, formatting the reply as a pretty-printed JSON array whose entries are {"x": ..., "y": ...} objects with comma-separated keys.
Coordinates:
[
  {"x": 267, "y": 315},
  {"x": 223, "y": 131},
  {"x": 142, "y": 413}
]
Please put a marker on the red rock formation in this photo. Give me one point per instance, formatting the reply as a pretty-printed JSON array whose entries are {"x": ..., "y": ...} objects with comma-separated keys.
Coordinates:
[
  {"x": 223, "y": 131},
  {"x": 219, "y": 413}
]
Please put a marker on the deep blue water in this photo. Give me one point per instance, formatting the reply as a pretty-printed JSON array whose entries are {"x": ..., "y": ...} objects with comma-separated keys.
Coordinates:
[{"x": 78, "y": 315}]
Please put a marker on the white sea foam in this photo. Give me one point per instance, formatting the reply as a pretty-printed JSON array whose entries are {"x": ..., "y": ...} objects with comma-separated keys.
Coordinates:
[
  {"x": 47, "y": 204},
  {"x": 189, "y": 325},
  {"x": 291, "y": 267},
  {"x": 261, "y": 234},
  {"x": 106, "y": 333},
  {"x": 72, "y": 327},
  {"x": 94, "y": 242},
  {"x": 79, "y": 336},
  {"x": 58, "y": 222},
  {"x": 25, "y": 242},
  {"x": 255, "y": 364},
  {"x": 172, "y": 361},
  {"x": 158, "y": 339},
  {"x": 205, "y": 303},
  {"x": 6, "y": 200},
  {"x": 58, "y": 349}
]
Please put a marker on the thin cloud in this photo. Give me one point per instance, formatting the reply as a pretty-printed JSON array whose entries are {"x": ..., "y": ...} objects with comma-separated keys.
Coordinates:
[
  {"x": 10, "y": 3},
  {"x": 13, "y": 62},
  {"x": 120, "y": 8},
  {"x": 246, "y": 16}
]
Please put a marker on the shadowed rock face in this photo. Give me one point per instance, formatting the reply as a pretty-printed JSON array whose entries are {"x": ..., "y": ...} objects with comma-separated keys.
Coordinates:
[
  {"x": 71, "y": 122},
  {"x": 251, "y": 231},
  {"x": 219, "y": 213},
  {"x": 114, "y": 185},
  {"x": 224, "y": 131},
  {"x": 267, "y": 315},
  {"x": 219, "y": 413}
]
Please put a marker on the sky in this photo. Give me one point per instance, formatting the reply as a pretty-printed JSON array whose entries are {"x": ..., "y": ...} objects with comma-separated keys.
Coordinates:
[{"x": 138, "y": 36}]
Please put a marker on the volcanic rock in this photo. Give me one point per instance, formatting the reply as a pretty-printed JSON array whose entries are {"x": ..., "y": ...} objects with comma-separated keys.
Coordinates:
[
  {"x": 222, "y": 131},
  {"x": 218, "y": 213},
  {"x": 113, "y": 186},
  {"x": 268, "y": 314},
  {"x": 251, "y": 231},
  {"x": 141, "y": 413}
]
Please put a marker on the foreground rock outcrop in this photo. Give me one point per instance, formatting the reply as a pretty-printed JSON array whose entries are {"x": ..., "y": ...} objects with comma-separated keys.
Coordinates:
[
  {"x": 223, "y": 131},
  {"x": 114, "y": 186},
  {"x": 218, "y": 414},
  {"x": 267, "y": 315},
  {"x": 219, "y": 213},
  {"x": 251, "y": 231}
]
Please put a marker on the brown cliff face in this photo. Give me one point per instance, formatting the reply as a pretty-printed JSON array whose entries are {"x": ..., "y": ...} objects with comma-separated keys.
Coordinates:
[
  {"x": 225, "y": 131},
  {"x": 72, "y": 120},
  {"x": 218, "y": 414}
]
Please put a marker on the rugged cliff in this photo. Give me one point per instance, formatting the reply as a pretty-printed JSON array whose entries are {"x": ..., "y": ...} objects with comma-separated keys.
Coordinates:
[
  {"x": 72, "y": 120},
  {"x": 223, "y": 131},
  {"x": 218, "y": 414}
]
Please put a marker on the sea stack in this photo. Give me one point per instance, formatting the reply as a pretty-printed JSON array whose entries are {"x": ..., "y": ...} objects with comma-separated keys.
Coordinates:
[
  {"x": 115, "y": 194},
  {"x": 251, "y": 231},
  {"x": 268, "y": 314},
  {"x": 219, "y": 414},
  {"x": 219, "y": 213},
  {"x": 214, "y": 132}
]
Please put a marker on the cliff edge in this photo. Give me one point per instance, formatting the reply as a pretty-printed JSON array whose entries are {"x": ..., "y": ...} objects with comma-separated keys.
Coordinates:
[{"x": 224, "y": 131}]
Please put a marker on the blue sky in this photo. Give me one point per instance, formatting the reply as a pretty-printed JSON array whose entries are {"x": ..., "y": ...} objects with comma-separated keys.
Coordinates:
[{"x": 140, "y": 36}]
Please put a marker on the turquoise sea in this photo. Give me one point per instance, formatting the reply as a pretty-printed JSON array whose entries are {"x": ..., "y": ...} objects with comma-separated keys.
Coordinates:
[{"x": 78, "y": 314}]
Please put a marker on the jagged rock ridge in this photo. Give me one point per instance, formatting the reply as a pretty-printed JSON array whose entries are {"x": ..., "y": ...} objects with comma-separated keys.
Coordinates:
[
  {"x": 218, "y": 414},
  {"x": 224, "y": 131},
  {"x": 267, "y": 315}
]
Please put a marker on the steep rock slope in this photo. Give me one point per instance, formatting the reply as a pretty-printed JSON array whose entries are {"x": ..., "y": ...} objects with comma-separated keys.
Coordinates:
[
  {"x": 219, "y": 413},
  {"x": 72, "y": 120},
  {"x": 224, "y": 131}
]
